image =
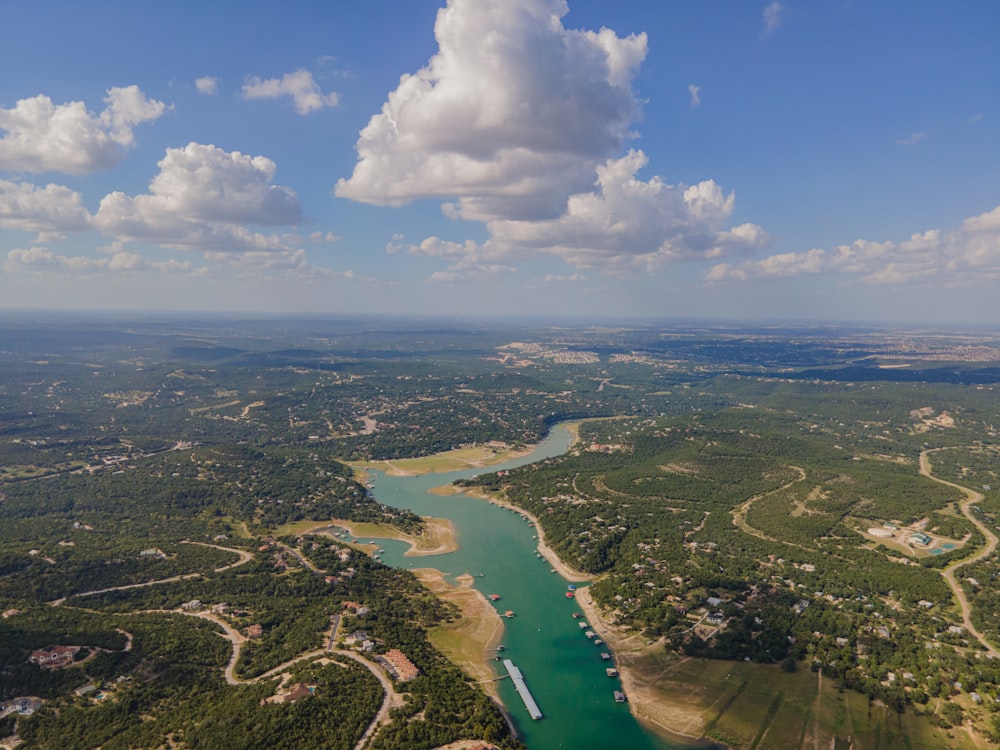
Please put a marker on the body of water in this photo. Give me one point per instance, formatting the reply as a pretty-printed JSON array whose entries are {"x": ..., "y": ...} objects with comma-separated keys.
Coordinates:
[{"x": 562, "y": 667}]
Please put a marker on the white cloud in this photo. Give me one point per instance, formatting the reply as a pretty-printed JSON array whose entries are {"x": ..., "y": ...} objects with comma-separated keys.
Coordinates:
[
  {"x": 201, "y": 199},
  {"x": 510, "y": 116},
  {"x": 207, "y": 85},
  {"x": 625, "y": 225},
  {"x": 912, "y": 139},
  {"x": 968, "y": 254},
  {"x": 53, "y": 208},
  {"x": 43, "y": 260},
  {"x": 695, "y": 92},
  {"x": 465, "y": 259},
  {"x": 300, "y": 85},
  {"x": 322, "y": 237},
  {"x": 39, "y": 136},
  {"x": 772, "y": 17},
  {"x": 552, "y": 279}
]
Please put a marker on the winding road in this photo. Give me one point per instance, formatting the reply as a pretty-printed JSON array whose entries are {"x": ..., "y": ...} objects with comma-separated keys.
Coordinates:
[
  {"x": 391, "y": 700},
  {"x": 971, "y": 497},
  {"x": 740, "y": 513}
]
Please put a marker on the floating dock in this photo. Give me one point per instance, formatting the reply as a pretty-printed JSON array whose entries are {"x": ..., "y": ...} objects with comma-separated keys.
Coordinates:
[{"x": 522, "y": 689}]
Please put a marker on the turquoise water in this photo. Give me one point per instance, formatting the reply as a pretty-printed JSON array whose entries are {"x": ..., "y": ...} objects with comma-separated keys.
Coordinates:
[{"x": 562, "y": 668}]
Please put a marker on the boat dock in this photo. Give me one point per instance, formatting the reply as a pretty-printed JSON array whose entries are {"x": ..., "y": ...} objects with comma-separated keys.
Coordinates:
[{"x": 522, "y": 689}]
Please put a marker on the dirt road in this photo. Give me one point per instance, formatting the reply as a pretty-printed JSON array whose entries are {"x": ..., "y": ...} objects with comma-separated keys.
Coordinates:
[{"x": 949, "y": 574}]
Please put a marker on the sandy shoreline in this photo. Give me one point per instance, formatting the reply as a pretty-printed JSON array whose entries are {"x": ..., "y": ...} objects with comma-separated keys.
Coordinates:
[
  {"x": 567, "y": 572},
  {"x": 438, "y": 537},
  {"x": 470, "y": 640},
  {"x": 481, "y": 457},
  {"x": 675, "y": 723},
  {"x": 481, "y": 628}
]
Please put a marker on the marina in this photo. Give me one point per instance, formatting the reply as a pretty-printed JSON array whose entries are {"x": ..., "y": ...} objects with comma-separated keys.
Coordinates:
[
  {"x": 522, "y": 689},
  {"x": 566, "y": 672}
]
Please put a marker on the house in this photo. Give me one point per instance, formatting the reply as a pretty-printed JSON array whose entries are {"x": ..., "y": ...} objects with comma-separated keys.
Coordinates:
[
  {"x": 294, "y": 693},
  {"x": 399, "y": 665},
  {"x": 54, "y": 657},
  {"x": 919, "y": 538},
  {"x": 357, "y": 636},
  {"x": 254, "y": 631}
]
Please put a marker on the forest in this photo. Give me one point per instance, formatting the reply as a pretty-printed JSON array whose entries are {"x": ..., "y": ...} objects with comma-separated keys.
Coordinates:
[{"x": 150, "y": 469}]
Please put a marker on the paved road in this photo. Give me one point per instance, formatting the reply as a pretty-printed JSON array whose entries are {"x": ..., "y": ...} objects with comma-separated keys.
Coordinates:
[
  {"x": 971, "y": 498},
  {"x": 391, "y": 700}
]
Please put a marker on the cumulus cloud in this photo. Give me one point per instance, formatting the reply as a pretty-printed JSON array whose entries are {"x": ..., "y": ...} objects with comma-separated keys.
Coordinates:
[
  {"x": 772, "y": 17},
  {"x": 465, "y": 259},
  {"x": 300, "y": 86},
  {"x": 41, "y": 259},
  {"x": 509, "y": 117},
  {"x": 968, "y": 254},
  {"x": 39, "y": 136},
  {"x": 625, "y": 225},
  {"x": 291, "y": 263},
  {"x": 207, "y": 85},
  {"x": 53, "y": 208},
  {"x": 201, "y": 199},
  {"x": 322, "y": 237}
]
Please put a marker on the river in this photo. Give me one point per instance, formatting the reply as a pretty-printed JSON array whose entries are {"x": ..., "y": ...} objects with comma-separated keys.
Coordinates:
[{"x": 562, "y": 668}]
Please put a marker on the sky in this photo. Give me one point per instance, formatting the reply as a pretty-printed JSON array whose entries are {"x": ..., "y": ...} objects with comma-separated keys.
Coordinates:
[{"x": 739, "y": 160}]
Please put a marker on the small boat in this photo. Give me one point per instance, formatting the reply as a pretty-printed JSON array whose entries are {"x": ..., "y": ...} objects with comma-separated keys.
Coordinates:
[
  {"x": 571, "y": 587},
  {"x": 494, "y": 597},
  {"x": 509, "y": 613},
  {"x": 577, "y": 615},
  {"x": 552, "y": 570},
  {"x": 605, "y": 656},
  {"x": 570, "y": 595},
  {"x": 611, "y": 672},
  {"x": 501, "y": 647},
  {"x": 590, "y": 634},
  {"x": 583, "y": 625},
  {"x": 598, "y": 642},
  {"x": 619, "y": 696}
]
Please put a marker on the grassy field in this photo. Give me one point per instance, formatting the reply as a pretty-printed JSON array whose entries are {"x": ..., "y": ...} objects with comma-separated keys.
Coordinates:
[
  {"x": 753, "y": 707},
  {"x": 473, "y": 457},
  {"x": 468, "y": 639}
]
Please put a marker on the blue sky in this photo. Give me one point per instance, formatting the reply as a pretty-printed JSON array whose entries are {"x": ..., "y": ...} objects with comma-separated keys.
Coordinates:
[{"x": 751, "y": 160}]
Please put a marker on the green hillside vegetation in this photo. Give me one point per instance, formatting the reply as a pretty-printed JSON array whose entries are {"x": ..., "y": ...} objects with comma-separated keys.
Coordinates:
[{"x": 159, "y": 458}]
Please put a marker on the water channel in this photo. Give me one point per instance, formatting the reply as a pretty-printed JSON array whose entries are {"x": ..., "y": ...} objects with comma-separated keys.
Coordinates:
[{"x": 562, "y": 668}]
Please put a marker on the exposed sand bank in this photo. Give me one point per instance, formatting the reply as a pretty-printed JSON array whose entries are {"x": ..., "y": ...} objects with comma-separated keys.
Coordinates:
[
  {"x": 471, "y": 640},
  {"x": 636, "y": 663},
  {"x": 437, "y": 538},
  {"x": 472, "y": 457}
]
